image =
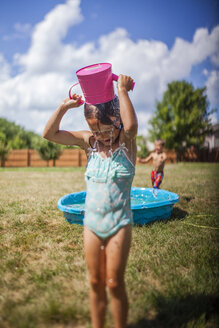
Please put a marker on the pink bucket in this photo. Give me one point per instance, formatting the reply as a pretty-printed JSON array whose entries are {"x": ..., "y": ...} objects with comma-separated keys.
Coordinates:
[{"x": 96, "y": 82}]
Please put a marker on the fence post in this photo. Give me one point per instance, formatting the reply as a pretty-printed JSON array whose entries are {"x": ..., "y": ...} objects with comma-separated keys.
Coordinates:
[
  {"x": 28, "y": 157},
  {"x": 79, "y": 157}
]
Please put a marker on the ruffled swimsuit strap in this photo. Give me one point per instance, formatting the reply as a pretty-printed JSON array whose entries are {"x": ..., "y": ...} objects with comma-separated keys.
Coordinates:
[
  {"x": 91, "y": 149},
  {"x": 122, "y": 148}
]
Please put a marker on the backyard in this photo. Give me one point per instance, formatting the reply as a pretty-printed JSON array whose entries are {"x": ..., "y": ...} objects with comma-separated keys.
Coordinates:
[{"x": 172, "y": 272}]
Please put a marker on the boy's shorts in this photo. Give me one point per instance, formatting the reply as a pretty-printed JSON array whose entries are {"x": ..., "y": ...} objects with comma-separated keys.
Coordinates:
[{"x": 156, "y": 178}]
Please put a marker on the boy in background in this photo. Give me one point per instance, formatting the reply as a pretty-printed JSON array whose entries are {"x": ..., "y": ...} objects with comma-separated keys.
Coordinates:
[{"x": 159, "y": 158}]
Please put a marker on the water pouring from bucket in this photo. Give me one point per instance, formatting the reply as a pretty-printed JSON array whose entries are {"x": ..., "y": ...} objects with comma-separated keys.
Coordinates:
[{"x": 96, "y": 82}]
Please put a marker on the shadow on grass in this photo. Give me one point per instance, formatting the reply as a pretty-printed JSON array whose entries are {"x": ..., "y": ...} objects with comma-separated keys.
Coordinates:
[
  {"x": 178, "y": 214},
  {"x": 177, "y": 312},
  {"x": 186, "y": 198}
]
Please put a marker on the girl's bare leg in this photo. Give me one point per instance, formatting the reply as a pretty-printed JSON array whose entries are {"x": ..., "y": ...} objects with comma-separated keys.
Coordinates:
[
  {"x": 95, "y": 258},
  {"x": 117, "y": 251}
]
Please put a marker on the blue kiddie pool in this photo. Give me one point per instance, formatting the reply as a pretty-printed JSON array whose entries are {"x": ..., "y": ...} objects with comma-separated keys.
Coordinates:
[{"x": 147, "y": 205}]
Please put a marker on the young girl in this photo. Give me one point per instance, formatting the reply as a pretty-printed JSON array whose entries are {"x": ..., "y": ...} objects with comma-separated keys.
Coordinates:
[{"x": 110, "y": 146}]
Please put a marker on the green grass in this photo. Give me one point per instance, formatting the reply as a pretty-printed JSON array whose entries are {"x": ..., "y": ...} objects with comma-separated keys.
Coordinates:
[{"x": 172, "y": 273}]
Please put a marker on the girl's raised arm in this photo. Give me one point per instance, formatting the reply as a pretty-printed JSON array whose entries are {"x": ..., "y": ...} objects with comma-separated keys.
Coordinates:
[
  {"x": 53, "y": 133},
  {"x": 127, "y": 111}
]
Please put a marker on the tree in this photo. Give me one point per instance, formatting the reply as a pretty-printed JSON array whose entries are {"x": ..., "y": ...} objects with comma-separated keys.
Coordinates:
[
  {"x": 142, "y": 150},
  {"x": 49, "y": 150},
  {"x": 9, "y": 129},
  {"x": 181, "y": 117},
  {"x": 17, "y": 137}
]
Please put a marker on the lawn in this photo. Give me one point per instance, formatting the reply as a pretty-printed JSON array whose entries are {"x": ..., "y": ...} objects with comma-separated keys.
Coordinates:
[{"x": 172, "y": 273}]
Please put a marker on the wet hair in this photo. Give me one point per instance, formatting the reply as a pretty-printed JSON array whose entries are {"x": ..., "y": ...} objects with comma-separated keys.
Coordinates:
[
  {"x": 104, "y": 112},
  {"x": 160, "y": 141}
]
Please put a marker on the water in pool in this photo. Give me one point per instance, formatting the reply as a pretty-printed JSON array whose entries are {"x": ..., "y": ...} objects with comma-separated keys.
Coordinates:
[
  {"x": 140, "y": 199},
  {"x": 149, "y": 197}
]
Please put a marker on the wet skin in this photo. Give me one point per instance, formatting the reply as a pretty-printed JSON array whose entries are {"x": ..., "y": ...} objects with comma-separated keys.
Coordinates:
[{"x": 106, "y": 135}]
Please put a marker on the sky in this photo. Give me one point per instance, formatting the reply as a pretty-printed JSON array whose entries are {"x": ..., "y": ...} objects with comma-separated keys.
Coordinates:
[{"x": 43, "y": 43}]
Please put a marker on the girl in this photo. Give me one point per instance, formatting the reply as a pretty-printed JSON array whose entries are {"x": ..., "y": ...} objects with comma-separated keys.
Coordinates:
[{"x": 110, "y": 146}]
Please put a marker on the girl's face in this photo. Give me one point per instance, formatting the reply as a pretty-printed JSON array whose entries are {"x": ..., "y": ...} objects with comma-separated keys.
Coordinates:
[{"x": 106, "y": 134}]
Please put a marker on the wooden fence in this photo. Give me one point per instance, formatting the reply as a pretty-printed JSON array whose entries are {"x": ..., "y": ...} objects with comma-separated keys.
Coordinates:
[
  {"x": 69, "y": 157},
  {"x": 202, "y": 155},
  {"x": 31, "y": 158},
  {"x": 77, "y": 157}
]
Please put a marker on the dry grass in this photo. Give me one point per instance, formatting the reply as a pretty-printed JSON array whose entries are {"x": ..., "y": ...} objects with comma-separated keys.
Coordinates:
[{"x": 172, "y": 274}]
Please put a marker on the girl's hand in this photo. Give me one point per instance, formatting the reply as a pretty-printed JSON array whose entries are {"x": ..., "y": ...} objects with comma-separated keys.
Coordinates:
[
  {"x": 124, "y": 83},
  {"x": 74, "y": 102}
]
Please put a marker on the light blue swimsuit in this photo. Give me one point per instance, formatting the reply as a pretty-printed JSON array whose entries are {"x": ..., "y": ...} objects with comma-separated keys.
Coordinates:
[{"x": 107, "y": 204}]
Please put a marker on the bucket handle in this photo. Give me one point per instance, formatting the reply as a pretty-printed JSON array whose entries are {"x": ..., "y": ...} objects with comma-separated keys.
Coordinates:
[
  {"x": 70, "y": 96},
  {"x": 115, "y": 78}
]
